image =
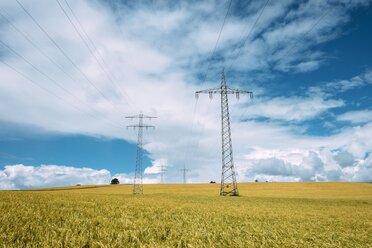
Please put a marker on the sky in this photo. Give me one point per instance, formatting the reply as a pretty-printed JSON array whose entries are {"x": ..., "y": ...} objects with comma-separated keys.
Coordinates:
[{"x": 72, "y": 70}]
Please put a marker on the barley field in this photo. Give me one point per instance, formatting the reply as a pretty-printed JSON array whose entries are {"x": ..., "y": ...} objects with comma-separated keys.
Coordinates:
[{"x": 193, "y": 215}]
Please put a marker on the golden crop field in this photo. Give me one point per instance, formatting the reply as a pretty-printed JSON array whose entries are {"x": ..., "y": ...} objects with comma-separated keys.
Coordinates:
[{"x": 193, "y": 215}]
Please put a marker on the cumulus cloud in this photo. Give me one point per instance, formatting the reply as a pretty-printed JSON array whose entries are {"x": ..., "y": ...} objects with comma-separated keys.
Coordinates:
[
  {"x": 291, "y": 108},
  {"x": 320, "y": 165},
  {"x": 20, "y": 176},
  {"x": 23, "y": 177},
  {"x": 343, "y": 156},
  {"x": 357, "y": 117},
  {"x": 157, "y": 166}
]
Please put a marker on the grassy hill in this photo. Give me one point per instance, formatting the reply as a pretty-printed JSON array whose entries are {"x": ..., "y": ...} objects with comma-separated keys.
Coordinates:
[{"x": 193, "y": 215}]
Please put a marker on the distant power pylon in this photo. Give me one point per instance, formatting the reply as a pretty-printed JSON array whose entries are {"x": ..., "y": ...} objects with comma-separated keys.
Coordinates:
[
  {"x": 184, "y": 171},
  {"x": 162, "y": 170},
  {"x": 229, "y": 185},
  {"x": 138, "y": 177}
]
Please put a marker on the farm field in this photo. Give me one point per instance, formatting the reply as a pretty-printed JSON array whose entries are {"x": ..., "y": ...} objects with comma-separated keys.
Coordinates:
[{"x": 192, "y": 215}]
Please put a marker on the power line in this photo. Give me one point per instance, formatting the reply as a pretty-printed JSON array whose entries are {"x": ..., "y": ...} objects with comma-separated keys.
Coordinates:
[
  {"x": 89, "y": 49},
  {"x": 35, "y": 83},
  {"x": 65, "y": 54},
  {"x": 217, "y": 41},
  {"x": 248, "y": 35},
  {"x": 311, "y": 28},
  {"x": 52, "y": 93},
  {"x": 38, "y": 70},
  {"x": 97, "y": 51},
  {"x": 25, "y": 35}
]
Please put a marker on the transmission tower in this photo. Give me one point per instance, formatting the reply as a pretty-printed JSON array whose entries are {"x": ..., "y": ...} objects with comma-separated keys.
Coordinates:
[
  {"x": 228, "y": 178},
  {"x": 162, "y": 170},
  {"x": 184, "y": 171},
  {"x": 138, "y": 181}
]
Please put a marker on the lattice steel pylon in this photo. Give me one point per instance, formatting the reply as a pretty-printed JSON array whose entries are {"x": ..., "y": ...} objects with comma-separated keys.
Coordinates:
[
  {"x": 162, "y": 170},
  {"x": 229, "y": 185},
  {"x": 184, "y": 171},
  {"x": 138, "y": 176}
]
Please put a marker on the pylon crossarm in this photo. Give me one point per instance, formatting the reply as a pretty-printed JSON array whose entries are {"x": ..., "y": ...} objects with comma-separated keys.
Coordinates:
[
  {"x": 237, "y": 92},
  {"x": 142, "y": 126},
  {"x": 207, "y": 91},
  {"x": 141, "y": 116}
]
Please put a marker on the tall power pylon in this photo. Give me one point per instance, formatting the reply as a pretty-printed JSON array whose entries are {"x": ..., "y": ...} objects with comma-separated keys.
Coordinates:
[
  {"x": 229, "y": 185},
  {"x": 184, "y": 171},
  {"x": 162, "y": 170},
  {"x": 138, "y": 177}
]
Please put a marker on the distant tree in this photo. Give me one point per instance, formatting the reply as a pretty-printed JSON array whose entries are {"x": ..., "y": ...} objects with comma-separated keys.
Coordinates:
[
  {"x": 115, "y": 181},
  {"x": 256, "y": 181},
  {"x": 212, "y": 182}
]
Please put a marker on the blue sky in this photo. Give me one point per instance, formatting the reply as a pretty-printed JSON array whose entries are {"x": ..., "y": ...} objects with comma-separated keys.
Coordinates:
[{"x": 62, "y": 113}]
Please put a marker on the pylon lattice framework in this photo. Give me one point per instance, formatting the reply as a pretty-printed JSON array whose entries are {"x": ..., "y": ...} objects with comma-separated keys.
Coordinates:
[
  {"x": 162, "y": 170},
  {"x": 138, "y": 176},
  {"x": 229, "y": 185},
  {"x": 184, "y": 171}
]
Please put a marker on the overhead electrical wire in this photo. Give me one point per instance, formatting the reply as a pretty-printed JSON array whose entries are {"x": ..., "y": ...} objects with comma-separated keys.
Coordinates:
[
  {"x": 35, "y": 83},
  {"x": 216, "y": 44},
  {"x": 90, "y": 49},
  {"x": 311, "y": 28},
  {"x": 25, "y": 35},
  {"x": 55, "y": 95},
  {"x": 123, "y": 93},
  {"x": 66, "y": 56},
  {"x": 240, "y": 48},
  {"x": 38, "y": 70}
]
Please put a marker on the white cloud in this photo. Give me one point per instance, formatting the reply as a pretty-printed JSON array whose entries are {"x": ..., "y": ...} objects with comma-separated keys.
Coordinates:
[
  {"x": 23, "y": 177},
  {"x": 27, "y": 177},
  {"x": 357, "y": 117},
  {"x": 291, "y": 108},
  {"x": 339, "y": 86},
  {"x": 307, "y": 66},
  {"x": 157, "y": 166}
]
